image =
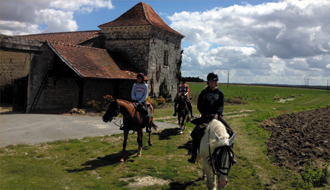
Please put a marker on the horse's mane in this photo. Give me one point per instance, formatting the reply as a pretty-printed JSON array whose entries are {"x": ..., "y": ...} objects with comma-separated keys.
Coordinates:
[
  {"x": 216, "y": 127},
  {"x": 125, "y": 101}
]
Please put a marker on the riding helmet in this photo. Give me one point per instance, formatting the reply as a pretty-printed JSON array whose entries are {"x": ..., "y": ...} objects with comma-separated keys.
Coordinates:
[
  {"x": 140, "y": 75},
  {"x": 212, "y": 76},
  {"x": 184, "y": 80}
]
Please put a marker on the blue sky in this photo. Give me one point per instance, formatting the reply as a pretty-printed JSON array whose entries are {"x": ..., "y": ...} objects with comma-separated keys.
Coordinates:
[{"x": 276, "y": 42}]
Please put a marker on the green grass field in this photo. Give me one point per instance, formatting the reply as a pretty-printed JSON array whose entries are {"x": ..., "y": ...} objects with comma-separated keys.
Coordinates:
[{"x": 93, "y": 162}]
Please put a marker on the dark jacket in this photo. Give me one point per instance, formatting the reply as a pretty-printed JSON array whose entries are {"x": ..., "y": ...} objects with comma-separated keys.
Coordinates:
[{"x": 210, "y": 102}]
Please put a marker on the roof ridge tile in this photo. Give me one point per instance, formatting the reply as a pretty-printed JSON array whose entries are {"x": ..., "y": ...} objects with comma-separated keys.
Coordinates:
[{"x": 75, "y": 45}]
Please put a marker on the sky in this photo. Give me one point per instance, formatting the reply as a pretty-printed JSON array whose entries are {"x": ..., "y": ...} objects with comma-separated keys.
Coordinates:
[{"x": 274, "y": 42}]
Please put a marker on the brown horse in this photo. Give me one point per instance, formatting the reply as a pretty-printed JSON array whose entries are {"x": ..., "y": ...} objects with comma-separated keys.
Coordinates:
[
  {"x": 132, "y": 121},
  {"x": 183, "y": 113}
]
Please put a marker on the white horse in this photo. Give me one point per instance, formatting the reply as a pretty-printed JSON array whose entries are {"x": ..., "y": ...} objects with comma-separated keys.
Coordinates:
[{"x": 215, "y": 144}]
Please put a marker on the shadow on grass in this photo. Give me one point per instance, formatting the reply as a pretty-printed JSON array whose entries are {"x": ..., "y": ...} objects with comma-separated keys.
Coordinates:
[
  {"x": 105, "y": 161},
  {"x": 167, "y": 133},
  {"x": 188, "y": 146},
  {"x": 177, "y": 185}
]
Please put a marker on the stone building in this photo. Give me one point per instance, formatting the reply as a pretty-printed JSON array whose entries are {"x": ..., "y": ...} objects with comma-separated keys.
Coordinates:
[{"x": 70, "y": 68}]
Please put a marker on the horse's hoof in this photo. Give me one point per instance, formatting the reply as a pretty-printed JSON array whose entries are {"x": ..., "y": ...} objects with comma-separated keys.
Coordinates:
[
  {"x": 181, "y": 132},
  {"x": 150, "y": 144},
  {"x": 122, "y": 160}
]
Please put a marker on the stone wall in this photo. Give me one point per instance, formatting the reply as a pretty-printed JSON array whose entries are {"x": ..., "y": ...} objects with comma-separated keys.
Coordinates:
[
  {"x": 13, "y": 65},
  {"x": 131, "y": 42},
  {"x": 163, "y": 41},
  {"x": 144, "y": 46},
  {"x": 40, "y": 64}
]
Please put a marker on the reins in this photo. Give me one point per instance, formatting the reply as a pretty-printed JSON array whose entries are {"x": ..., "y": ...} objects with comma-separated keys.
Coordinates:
[
  {"x": 217, "y": 160},
  {"x": 129, "y": 114}
]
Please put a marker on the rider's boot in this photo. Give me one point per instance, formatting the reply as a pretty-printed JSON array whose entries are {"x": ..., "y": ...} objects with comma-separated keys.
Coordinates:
[
  {"x": 190, "y": 109},
  {"x": 193, "y": 157}
]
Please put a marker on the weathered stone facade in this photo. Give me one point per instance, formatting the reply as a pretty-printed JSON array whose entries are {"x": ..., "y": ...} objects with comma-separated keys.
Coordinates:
[
  {"x": 13, "y": 65},
  {"x": 154, "y": 51}
]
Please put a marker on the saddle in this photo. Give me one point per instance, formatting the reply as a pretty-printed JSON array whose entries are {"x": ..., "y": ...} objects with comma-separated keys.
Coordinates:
[
  {"x": 201, "y": 123},
  {"x": 201, "y": 120},
  {"x": 146, "y": 111}
]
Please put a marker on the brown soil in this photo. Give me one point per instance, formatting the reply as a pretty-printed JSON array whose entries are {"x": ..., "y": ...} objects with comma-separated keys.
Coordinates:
[{"x": 299, "y": 137}]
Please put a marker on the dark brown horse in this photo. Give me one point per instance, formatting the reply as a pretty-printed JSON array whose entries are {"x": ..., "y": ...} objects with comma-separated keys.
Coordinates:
[
  {"x": 132, "y": 120},
  {"x": 183, "y": 113}
]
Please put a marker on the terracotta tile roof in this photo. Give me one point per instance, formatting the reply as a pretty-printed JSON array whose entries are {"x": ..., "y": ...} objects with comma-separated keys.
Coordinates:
[
  {"x": 64, "y": 37},
  {"x": 140, "y": 14},
  {"x": 91, "y": 62}
]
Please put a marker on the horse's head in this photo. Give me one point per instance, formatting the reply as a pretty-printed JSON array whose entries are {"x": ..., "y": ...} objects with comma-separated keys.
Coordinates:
[
  {"x": 226, "y": 155},
  {"x": 181, "y": 102},
  {"x": 222, "y": 157},
  {"x": 112, "y": 111}
]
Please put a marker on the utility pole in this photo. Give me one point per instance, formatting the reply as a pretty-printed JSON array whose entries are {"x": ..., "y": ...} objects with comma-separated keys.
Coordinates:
[
  {"x": 307, "y": 82},
  {"x": 228, "y": 79}
]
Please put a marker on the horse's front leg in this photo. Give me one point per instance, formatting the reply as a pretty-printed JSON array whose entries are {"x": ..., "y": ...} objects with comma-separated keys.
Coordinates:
[
  {"x": 151, "y": 125},
  {"x": 181, "y": 121},
  {"x": 124, "y": 145},
  {"x": 149, "y": 141},
  {"x": 210, "y": 181},
  {"x": 140, "y": 142}
]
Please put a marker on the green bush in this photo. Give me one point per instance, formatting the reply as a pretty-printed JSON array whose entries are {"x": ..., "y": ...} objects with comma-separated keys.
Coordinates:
[
  {"x": 163, "y": 90},
  {"x": 312, "y": 177},
  {"x": 235, "y": 100}
]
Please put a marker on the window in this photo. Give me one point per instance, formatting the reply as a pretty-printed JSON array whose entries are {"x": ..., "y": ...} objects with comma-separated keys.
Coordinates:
[{"x": 165, "y": 58}]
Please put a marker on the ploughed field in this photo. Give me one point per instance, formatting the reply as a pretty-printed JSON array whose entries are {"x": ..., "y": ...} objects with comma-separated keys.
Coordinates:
[{"x": 299, "y": 137}]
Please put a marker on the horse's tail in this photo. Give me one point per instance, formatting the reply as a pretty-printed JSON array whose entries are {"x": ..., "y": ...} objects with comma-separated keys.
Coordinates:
[
  {"x": 153, "y": 125},
  {"x": 152, "y": 104}
]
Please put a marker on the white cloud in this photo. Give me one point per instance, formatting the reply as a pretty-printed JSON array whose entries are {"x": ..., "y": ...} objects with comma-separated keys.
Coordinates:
[
  {"x": 277, "y": 42},
  {"x": 26, "y": 17},
  {"x": 83, "y": 6}
]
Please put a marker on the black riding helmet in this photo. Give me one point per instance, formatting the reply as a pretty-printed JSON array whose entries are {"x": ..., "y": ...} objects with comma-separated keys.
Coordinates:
[
  {"x": 184, "y": 80},
  {"x": 212, "y": 76},
  {"x": 140, "y": 75}
]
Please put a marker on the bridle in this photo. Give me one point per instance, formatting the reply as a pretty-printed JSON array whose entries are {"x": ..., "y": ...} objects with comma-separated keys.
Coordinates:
[
  {"x": 220, "y": 157},
  {"x": 124, "y": 117},
  {"x": 182, "y": 101}
]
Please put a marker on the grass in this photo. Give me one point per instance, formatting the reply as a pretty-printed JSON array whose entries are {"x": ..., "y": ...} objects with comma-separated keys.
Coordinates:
[{"x": 93, "y": 162}]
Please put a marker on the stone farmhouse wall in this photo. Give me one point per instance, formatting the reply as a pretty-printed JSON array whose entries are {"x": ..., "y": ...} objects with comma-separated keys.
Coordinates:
[
  {"x": 13, "y": 65},
  {"x": 161, "y": 42},
  {"x": 144, "y": 46}
]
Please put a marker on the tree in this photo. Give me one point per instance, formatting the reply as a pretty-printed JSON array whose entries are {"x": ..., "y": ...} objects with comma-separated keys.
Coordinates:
[
  {"x": 178, "y": 66},
  {"x": 163, "y": 91}
]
